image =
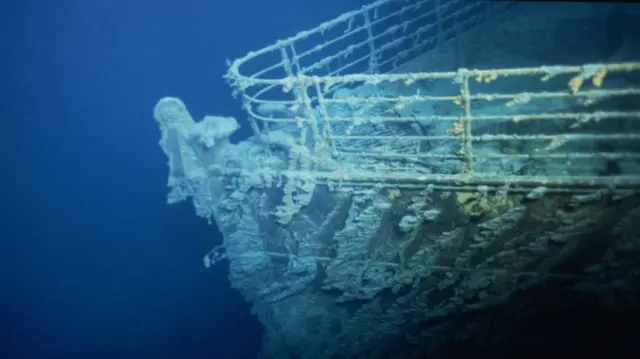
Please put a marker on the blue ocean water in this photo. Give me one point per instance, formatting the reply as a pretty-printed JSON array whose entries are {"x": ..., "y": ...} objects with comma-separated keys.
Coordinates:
[{"x": 94, "y": 263}]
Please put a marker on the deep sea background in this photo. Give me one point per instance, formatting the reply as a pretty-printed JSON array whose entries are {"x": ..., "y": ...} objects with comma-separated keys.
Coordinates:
[{"x": 94, "y": 263}]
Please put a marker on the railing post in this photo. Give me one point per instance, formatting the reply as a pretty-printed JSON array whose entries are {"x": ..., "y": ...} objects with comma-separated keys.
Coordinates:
[
  {"x": 467, "y": 147},
  {"x": 373, "y": 58}
]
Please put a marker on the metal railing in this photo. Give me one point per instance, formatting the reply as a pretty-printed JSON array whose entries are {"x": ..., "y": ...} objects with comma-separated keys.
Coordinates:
[{"x": 368, "y": 47}]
